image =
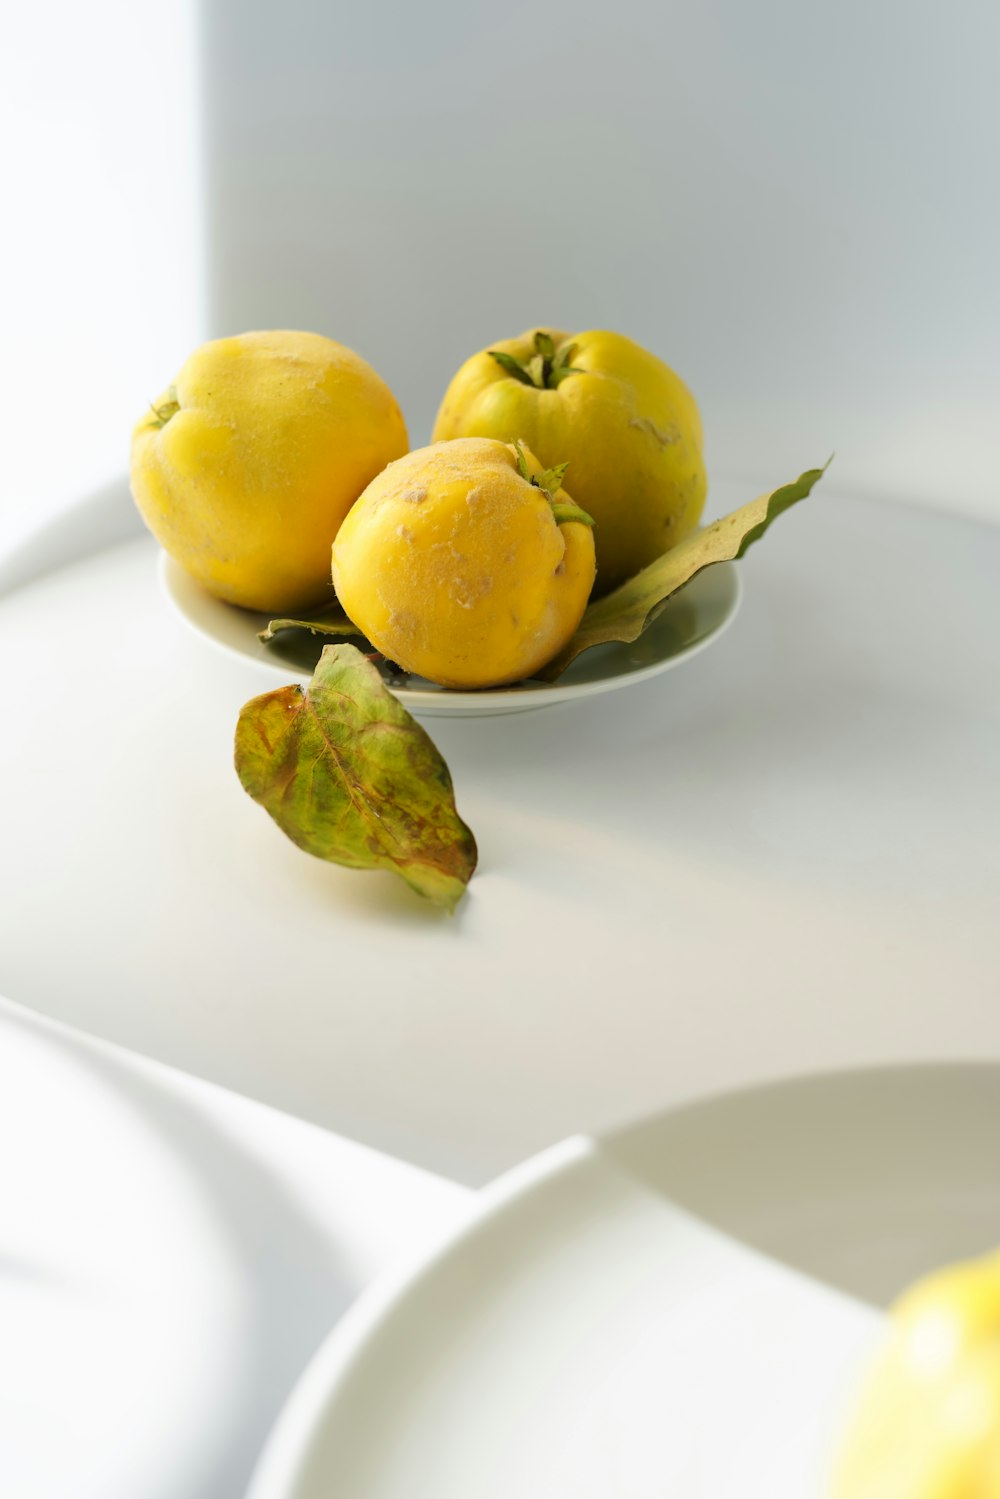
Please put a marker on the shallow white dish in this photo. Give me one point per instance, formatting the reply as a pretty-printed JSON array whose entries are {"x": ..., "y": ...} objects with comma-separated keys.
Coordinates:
[
  {"x": 684, "y": 1308},
  {"x": 692, "y": 620}
]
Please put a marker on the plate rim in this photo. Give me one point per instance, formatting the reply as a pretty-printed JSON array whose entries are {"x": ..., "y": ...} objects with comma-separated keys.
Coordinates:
[
  {"x": 286, "y": 1456},
  {"x": 288, "y": 1450},
  {"x": 449, "y": 702}
]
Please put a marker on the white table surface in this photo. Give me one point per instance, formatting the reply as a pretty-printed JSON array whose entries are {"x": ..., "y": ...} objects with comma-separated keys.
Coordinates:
[
  {"x": 171, "y": 1255},
  {"x": 781, "y": 856}
]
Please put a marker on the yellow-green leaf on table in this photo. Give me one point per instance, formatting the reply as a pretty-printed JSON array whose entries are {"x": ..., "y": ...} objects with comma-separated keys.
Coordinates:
[
  {"x": 623, "y": 614},
  {"x": 350, "y": 776}
]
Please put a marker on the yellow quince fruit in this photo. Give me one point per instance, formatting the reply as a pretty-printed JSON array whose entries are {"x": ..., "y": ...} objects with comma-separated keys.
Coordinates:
[
  {"x": 246, "y": 466},
  {"x": 627, "y": 425},
  {"x": 928, "y": 1424},
  {"x": 466, "y": 563}
]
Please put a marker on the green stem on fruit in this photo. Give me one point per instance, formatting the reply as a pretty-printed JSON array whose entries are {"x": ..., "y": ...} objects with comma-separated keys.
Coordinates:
[
  {"x": 549, "y": 481},
  {"x": 564, "y": 513},
  {"x": 165, "y": 410},
  {"x": 547, "y": 368}
]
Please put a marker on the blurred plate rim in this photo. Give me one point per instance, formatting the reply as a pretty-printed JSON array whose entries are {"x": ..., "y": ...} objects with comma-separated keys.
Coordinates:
[{"x": 286, "y": 1459}]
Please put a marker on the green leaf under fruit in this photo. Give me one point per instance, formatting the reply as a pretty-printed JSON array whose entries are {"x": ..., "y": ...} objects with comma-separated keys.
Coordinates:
[
  {"x": 332, "y": 622},
  {"x": 349, "y": 776},
  {"x": 623, "y": 614}
]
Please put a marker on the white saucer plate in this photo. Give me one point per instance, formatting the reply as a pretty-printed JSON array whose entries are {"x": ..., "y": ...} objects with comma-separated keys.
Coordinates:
[
  {"x": 684, "y": 1308},
  {"x": 692, "y": 620}
]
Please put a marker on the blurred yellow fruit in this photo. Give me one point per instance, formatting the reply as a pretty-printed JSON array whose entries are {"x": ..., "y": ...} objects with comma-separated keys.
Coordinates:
[
  {"x": 928, "y": 1424},
  {"x": 245, "y": 468},
  {"x": 627, "y": 425},
  {"x": 460, "y": 569}
]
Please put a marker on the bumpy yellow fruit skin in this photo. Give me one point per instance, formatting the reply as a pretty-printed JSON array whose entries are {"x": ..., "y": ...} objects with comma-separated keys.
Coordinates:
[
  {"x": 928, "y": 1426},
  {"x": 628, "y": 426},
  {"x": 454, "y": 566},
  {"x": 250, "y": 461}
]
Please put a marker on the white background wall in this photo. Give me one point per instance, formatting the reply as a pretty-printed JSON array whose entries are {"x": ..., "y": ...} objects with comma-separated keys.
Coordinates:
[
  {"x": 101, "y": 253},
  {"x": 795, "y": 204}
]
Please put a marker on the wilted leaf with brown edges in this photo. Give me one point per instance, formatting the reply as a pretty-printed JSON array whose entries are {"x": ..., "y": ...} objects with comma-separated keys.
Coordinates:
[{"x": 349, "y": 776}]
